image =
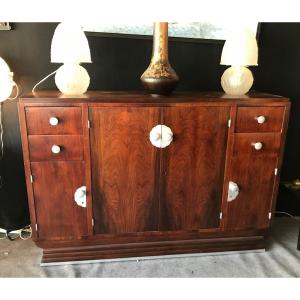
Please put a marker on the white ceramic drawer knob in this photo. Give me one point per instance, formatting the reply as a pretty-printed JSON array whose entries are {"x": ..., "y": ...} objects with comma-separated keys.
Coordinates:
[
  {"x": 233, "y": 191},
  {"x": 257, "y": 146},
  {"x": 161, "y": 136},
  {"x": 56, "y": 149},
  {"x": 53, "y": 121},
  {"x": 80, "y": 196},
  {"x": 261, "y": 119}
]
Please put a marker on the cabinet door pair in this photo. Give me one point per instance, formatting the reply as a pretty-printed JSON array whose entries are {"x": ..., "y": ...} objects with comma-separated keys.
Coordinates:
[{"x": 138, "y": 187}]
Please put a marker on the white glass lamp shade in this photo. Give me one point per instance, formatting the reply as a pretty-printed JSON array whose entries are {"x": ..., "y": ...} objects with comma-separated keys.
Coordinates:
[
  {"x": 240, "y": 49},
  {"x": 70, "y": 45},
  {"x": 6, "y": 80}
]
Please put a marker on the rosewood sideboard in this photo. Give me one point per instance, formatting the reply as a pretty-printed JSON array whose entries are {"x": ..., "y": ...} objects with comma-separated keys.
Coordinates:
[{"x": 123, "y": 174}]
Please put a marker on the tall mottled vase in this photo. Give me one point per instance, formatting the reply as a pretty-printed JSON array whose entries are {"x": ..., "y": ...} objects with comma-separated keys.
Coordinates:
[{"x": 160, "y": 78}]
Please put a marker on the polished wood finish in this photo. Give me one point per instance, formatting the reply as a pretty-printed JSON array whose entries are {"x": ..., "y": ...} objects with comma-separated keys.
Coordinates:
[
  {"x": 254, "y": 172},
  {"x": 193, "y": 167},
  {"x": 43, "y": 98},
  {"x": 40, "y": 147},
  {"x": 60, "y": 254},
  {"x": 143, "y": 200},
  {"x": 54, "y": 185},
  {"x": 124, "y": 166},
  {"x": 88, "y": 174},
  {"x": 69, "y": 120},
  {"x": 246, "y": 119}
]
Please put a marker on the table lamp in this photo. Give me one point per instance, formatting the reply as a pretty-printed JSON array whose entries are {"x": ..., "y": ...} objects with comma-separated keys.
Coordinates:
[
  {"x": 6, "y": 80},
  {"x": 6, "y": 86},
  {"x": 239, "y": 51},
  {"x": 70, "y": 47}
]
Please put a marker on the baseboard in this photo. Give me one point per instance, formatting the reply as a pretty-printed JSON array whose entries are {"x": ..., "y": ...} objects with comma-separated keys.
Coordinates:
[
  {"x": 150, "y": 249},
  {"x": 141, "y": 258}
]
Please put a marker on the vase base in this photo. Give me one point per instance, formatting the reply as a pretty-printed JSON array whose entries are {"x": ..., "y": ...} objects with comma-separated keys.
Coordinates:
[{"x": 159, "y": 86}]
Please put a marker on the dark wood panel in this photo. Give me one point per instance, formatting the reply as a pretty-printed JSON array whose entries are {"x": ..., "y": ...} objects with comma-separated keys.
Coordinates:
[
  {"x": 280, "y": 159},
  {"x": 194, "y": 167},
  {"x": 150, "y": 236},
  {"x": 88, "y": 172},
  {"x": 135, "y": 97},
  {"x": 69, "y": 120},
  {"x": 253, "y": 171},
  {"x": 152, "y": 249},
  {"x": 40, "y": 147},
  {"x": 124, "y": 169},
  {"x": 54, "y": 185},
  {"x": 246, "y": 119},
  {"x": 27, "y": 167},
  {"x": 128, "y": 175}
]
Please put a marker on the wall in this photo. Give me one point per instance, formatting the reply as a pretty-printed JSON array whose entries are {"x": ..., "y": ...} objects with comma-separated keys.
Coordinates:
[
  {"x": 117, "y": 64},
  {"x": 278, "y": 73}
]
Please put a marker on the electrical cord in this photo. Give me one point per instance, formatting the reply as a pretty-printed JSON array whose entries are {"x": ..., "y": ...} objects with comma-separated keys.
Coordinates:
[
  {"x": 24, "y": 233},
  {"x": 291, "y": 216},
  {"x": 17, "y": 92},
  {"x": 41, "y": 81}
]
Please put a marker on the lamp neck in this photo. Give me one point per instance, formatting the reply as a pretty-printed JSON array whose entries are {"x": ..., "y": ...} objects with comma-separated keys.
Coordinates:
[{"x": 71, "y": 63}]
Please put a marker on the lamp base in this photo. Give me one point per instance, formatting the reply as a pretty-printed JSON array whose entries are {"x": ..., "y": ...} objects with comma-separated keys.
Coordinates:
[
  {"x": 237, "y": 80},
  {"x": 72, "y": 79}
]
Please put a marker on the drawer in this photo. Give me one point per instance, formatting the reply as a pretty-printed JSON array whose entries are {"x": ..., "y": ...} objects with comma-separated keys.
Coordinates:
[
  {"x": 256, "y": 144},
  {"x": 56, "y": 147},
  {"x": 53, "y": 120},
  {"x": 259, "y": 119}
]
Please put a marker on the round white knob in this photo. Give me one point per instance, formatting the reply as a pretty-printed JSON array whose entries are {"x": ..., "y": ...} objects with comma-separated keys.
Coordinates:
[
  {"x": 53, "y": 121},
  {"x": 55, "y": 149},
  {"x": 80, "y": 196},
  {"x": 261, "y": 119},
  {"x": 161, "y": 136},
  {"x": 233, "y": 191},
  {"x": 257, "y": 146}
]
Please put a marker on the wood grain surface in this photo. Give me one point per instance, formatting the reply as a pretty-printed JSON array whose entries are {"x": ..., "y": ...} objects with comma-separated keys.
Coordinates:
[
  {"x": 40, "y": 147},
  {"x": 194, "y": 167},
  {"x": 246, "y": 119},
  {"x": 69, "y": 120},
  {"x": 124, "y": 169},
  {"x": 54, "y": 185},
  {"x": 253, "y": 171}
]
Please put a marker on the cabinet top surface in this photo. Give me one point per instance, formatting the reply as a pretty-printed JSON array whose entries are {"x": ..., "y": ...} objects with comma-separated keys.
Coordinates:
[{"x": 143, "y": 97}]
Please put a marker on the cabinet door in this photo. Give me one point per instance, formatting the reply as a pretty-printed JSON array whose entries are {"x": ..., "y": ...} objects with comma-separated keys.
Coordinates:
[
  {"x": 58, "y": 215},
  {"x": 253, "y": 170},
  {"x": 193, "y": 167},
  {"x": 124, "y": 169}
]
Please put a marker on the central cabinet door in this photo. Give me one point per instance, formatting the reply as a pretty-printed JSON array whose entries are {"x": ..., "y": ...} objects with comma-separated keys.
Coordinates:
[
  {"x": 193, "y": 167},
  {"x": 124, "y": 169}
]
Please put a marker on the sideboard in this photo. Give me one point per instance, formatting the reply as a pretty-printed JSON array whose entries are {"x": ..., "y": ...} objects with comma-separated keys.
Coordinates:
[{"x": 124, "y": 174}]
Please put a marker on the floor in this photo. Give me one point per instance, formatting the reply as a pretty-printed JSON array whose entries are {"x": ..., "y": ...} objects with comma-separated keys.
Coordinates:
[{"x": 21, "y": 259}]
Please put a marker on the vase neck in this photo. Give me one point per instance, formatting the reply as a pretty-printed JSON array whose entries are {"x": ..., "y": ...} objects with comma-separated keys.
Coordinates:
[{"x": 160, "y": 41}]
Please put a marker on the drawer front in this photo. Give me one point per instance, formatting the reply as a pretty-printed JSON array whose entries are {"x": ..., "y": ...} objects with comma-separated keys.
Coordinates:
[
  {"x": 53, "y": 120},
  {"x": 59, "y": 147},
  {"x": 256, "y": 144},
  {"x": 259, "y": 119}
]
